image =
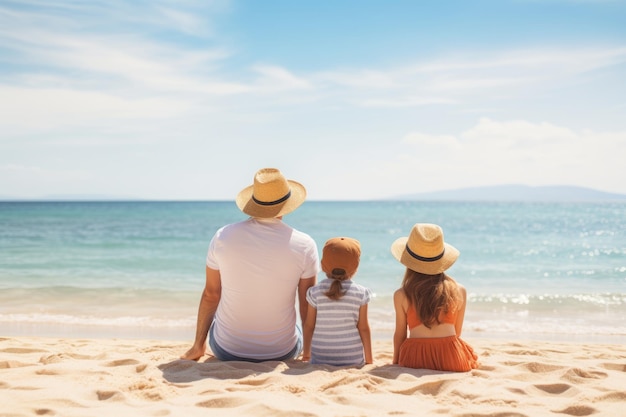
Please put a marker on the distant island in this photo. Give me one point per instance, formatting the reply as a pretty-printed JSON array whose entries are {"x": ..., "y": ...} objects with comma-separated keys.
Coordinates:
[
  {"x": 495, "y": 193},
  {"x": 556, "y": 193}
]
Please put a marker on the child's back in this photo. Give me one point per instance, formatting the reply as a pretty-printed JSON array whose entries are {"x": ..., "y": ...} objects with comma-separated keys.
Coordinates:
[
  {"x": 336, "y": 329},
  {"x": 336, "y": 339}
]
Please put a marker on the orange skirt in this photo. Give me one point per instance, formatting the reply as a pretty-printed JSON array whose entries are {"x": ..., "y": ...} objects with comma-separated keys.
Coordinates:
[{"x": 438, "y": 353}]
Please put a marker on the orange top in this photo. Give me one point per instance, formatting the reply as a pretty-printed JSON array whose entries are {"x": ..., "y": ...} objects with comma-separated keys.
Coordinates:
[{"x": 413, "y": 320}]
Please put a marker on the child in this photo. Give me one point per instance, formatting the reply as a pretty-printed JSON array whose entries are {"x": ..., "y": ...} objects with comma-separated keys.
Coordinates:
[
  {"x": 336, "y": 330},
  {"x": 430, "y": 304}
]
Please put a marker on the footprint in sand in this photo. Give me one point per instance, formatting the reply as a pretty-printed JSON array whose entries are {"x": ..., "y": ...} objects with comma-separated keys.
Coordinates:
[
  {"x": 223, "y": 402},
  {"x": 13, "y": 364},
  {"x": 614, "y": 366},
  {"x": 21, "y": 350},
  {"x": 255, "y": 382},
  {"x": 109, "y": 395},
  {"x": 538, "y": 367},
  {"x": 60, "y": 357},
  {"x": 618, "y": 397},
  {"x": 578, "y": 375},
  {"x": 428, "y": 388},
  {"x": 577, "y": 410},
  {"x": 555, "y": 389},
  {"x": 121, "y": 362}
]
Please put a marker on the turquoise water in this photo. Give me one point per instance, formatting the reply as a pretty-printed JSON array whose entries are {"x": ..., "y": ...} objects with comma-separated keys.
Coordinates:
[{"x": 136, "y": 269}]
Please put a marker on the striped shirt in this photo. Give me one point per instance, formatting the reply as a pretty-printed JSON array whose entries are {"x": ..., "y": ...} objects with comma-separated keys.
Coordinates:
[{"x": 336, "y": 339}]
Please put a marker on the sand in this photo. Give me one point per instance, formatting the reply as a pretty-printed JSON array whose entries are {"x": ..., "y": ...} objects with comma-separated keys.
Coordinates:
[{"x": 126, "y": 377}]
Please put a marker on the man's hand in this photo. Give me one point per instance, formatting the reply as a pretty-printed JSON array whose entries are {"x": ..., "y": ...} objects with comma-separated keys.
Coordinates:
[{"x": 195, "y": 353}]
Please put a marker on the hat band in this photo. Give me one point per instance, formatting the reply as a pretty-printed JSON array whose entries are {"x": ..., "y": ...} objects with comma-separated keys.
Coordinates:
[
  {"x": 423, "y": 259},
  {"x": 272, "y": 203}
]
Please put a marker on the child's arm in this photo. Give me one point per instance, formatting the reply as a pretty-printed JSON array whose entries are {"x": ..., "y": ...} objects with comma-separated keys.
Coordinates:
[
  {"x": 307, "y": 332},
  {"x": 399, "y": 336},
  {"x": 366, "y": 336}
]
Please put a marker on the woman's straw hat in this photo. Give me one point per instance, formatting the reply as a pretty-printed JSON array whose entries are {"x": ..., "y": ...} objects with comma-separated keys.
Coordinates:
[
  {"x": 271, "y": 195},
  {"x": 424, "y": 250}
]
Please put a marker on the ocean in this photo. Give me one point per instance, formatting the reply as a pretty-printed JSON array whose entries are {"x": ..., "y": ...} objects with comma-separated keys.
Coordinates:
[{"x": 539, "y": 271}]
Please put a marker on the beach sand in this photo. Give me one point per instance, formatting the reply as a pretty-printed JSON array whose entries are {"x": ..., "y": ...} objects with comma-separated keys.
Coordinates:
[{"x": 126, "y": 377}]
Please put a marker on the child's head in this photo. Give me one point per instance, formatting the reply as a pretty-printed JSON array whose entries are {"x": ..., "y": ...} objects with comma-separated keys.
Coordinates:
[
  {"x": 340, "y": 257},
  {"x": 340, "y": 260}
]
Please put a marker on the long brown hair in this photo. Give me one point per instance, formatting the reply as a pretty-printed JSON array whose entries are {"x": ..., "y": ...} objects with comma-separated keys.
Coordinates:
[
  {"x": 335, "y": 292},
  {"x": 432, "y": 296}
]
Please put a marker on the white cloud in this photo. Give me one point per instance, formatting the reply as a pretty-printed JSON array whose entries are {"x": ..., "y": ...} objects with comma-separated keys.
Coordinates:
[
  {"x": 274, "y": 78},
  {"x": 24, "y": 110},
  {"x": 503, "y": 152},
  {"x": 518, "y": 134},
  {"x": 403, "y": 102},
  {"x": 359, "y": 78},
  {"x": 556, "y": 59},
  {"x": 185, "y": 22},
  {"x": 457, "y": 84},
  {"x": 461, "y": 81},
  {"x": 80, "y": 73},
  {"x": 29, "y": 181},
  {"x": 421, "y": 139}
]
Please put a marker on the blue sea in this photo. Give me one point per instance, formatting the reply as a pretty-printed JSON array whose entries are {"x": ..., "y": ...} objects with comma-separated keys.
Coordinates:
[{"x": 539, "y": 271}]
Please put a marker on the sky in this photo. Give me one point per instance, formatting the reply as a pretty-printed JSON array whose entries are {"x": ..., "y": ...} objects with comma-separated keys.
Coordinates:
[{"x": 355, "y": 99}]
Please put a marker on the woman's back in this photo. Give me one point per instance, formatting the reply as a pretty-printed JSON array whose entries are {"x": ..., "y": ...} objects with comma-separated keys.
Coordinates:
[{"x": 430, "y": 305}]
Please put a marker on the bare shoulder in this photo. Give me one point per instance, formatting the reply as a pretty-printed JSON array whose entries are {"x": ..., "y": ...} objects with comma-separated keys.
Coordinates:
[
  {"x": 399, "y": 293},
  {"x": 399, "y": 297},
  {"x": 462, "y": 289}
]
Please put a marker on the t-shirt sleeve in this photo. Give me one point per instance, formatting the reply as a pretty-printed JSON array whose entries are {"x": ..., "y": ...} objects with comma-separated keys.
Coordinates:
[
  {"x": 367, "y": 296},
  {"x": 310, "y": 297},
  {"x": 311, "y": 261},
  {"x": 211, "y": 260}
]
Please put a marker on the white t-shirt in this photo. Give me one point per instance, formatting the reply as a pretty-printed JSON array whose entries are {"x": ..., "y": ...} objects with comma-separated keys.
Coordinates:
[{"x": 261, "y": 262}]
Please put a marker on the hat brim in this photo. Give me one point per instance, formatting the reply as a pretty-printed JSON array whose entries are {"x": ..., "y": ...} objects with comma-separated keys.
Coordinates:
[
  {"x": 450, "y": 255},
  {"x": 246, "y": 204}
]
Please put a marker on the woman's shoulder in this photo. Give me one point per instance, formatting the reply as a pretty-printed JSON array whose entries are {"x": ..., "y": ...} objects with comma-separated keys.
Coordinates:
[{"x": 399, "y": 295}]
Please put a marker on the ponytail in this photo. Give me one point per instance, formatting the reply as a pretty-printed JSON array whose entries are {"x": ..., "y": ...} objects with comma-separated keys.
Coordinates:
[{"x": 336, "y": 291}]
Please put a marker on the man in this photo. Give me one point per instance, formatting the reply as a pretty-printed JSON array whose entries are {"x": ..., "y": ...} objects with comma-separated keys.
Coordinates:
[{"x": 253, "y": 270}]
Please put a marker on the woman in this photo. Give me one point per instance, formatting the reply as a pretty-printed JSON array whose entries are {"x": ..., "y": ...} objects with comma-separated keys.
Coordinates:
[{"x": 430, "y": 305}]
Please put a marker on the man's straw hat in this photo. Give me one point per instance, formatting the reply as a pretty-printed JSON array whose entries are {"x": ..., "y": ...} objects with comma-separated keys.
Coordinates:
[
  {"x": 424, "y": 250},
  {"x": 271, "y": 195}
]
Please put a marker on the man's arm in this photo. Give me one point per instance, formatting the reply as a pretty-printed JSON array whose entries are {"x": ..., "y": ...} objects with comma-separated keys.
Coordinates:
[
  {"x": 303, "y": 286},
  {"x": 206, "y": 312}
]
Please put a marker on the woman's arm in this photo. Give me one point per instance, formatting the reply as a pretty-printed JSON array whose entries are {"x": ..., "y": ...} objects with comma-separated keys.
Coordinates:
[
  {"x": 400, "y": 304},
  {"x": 460, "y": 316}
]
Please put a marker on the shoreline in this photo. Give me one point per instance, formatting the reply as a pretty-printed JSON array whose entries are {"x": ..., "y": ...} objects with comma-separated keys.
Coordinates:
[
  {"x": 187, "y": 333},
  {"x": 475, "y": 327},
  {"x": 144, "y": 377}
]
